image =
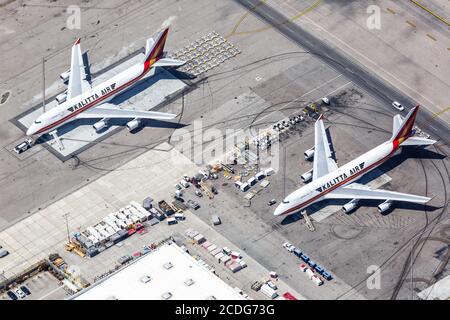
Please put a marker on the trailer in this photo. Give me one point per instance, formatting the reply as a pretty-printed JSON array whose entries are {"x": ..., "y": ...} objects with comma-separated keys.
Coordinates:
[
  {"x": 136, "y": 215},
  {"x": 118, "y": 221},
  {"x": 166, "y": 208},
  {"x": 144, "y": 213},
  {"x": 111, "y": 223}
]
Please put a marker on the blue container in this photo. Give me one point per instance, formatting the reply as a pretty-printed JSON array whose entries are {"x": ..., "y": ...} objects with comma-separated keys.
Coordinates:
[
  {"x": 327, "y": 275},
  {"x": 311, "y": 263},
  {"x": 304, "y": 257},
  {"x": 319, "y": 269},
  {"x": 297, "y": 252}
]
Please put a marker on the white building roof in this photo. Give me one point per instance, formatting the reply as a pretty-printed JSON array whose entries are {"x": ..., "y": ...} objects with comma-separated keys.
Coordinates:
[
  {"x": 440, "y": 290},
  {"x": 185, "y": 280}
]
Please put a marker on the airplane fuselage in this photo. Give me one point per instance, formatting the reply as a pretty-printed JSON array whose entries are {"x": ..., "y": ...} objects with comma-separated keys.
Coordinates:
[
  {"x": 99, "y": 94},
  {"x": 353, "y": 170}
]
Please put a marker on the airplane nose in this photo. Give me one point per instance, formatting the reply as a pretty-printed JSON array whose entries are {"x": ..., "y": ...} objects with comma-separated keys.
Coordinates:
[
  {"x": 279, "y": 210},
  {"x": 31, "y": 130}
]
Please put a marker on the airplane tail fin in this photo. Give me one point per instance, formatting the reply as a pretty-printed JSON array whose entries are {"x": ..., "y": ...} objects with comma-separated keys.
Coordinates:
[
  {"x": 403, "y": 130},
  {"x": 154, "y": 49},
  {"x": 154, "y": 52}
]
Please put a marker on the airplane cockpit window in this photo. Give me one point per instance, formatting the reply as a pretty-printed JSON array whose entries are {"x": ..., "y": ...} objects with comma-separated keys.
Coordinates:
[
  {"x": 38, "y": 122},
  {"x": 284, "y": 201}
]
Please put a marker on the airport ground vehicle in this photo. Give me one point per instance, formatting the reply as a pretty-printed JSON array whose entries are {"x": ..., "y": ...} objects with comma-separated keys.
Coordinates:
[
  {"x": 398, "y": 106},
  {"x": 271, "y": 202},
  {"x": 20, "y": 293},
  {"x": 193, "y": 205},
  {"x": 23, "y": 146},
  {"x": 3, "y": 252}
]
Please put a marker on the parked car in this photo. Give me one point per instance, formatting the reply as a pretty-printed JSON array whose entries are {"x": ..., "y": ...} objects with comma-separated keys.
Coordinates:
[
  {"x": 289, "y": 247},
  {"x": 3, "y": 252},
  {"x": 398, "y": 106},
  {"x": 198, "y": 193},
  {"x": 11, "y": 295},
  {"x": 20, "y": 293},
  {"x": 192, "y": 204}
]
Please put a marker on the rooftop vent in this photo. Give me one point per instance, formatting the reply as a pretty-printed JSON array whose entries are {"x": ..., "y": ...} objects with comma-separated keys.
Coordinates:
[
  {"x": 166, "y": 295},
  {"x": 168, "y": 265},
  {"x": 189, "y": 282}
]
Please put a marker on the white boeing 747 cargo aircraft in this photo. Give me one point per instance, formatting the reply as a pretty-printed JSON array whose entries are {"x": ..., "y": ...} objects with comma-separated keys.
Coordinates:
[
  {"x": 331, "y": 182},
  {"x": 86, "y": 102}
]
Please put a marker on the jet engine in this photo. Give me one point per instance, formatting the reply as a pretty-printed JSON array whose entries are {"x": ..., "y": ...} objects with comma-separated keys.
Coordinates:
[
  {"x": 65, "y": 76},
  {"x": 385, "y": 206},
  {"x": 100, "y": 125},
  {"x": 350, "y": 206},
  {"x": 309, "y": 154},
  {"x": 133, "y": 124},
  {"x": 307, "y": 176}
]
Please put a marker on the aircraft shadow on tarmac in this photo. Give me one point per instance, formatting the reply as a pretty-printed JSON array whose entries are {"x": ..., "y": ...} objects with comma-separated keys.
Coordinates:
[{"x": 394, "y": 161}]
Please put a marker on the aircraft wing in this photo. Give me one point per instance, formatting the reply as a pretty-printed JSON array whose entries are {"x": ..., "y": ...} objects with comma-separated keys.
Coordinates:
[
  {"x": 323, "y": 159},
  {"x": 78, "y": 83},
  {"x": 360, "y": 191},
  {"x": 110, "y": 111}
]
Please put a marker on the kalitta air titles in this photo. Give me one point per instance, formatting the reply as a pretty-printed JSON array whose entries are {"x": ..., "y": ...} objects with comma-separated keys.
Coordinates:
[
  {"x": 92, "y": 98},
  {"x": 341, "y": 177}
]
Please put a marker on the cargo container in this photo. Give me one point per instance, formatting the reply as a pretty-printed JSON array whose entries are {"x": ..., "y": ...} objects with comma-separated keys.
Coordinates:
[
  {"x": 252, "y": 181},
  {"x": 260, "y": 175},
  {"x": 215, "y": 251},
  {"x": 118, "y": 221},
  {"x": 235, "y": 254},
  {"x": 219, "y": 256},
  {"x": 235, "y": 267},
  {"x": 304, "y": 257},
  {"x": 135, "y": 209},
  {"x": 316, "y": 280},
  {"x": 327, "y": 275},
  {"x": 244, "y": 187},
  {"x": 111, "y": 223},
  {"x": 311, "y": 263},
  {"x": 206, "y": 244},
  {"x": 199, "y": 238},
  {"x": 268, "y": 291},
  {"x": 225, "y": 259},
  {"x": 319, "y": 268},
  {"x": 297, "y": 252}
]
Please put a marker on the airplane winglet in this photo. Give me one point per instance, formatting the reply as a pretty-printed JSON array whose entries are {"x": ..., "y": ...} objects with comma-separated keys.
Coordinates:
[
  {"x": 320, "y": 117},
  {"x": 77, "y": 41}
]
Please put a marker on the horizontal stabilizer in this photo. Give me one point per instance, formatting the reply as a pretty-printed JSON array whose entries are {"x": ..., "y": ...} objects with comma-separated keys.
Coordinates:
[
  {"x": 417, "y": 141},
  {"x": 166, "y": 62}
]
